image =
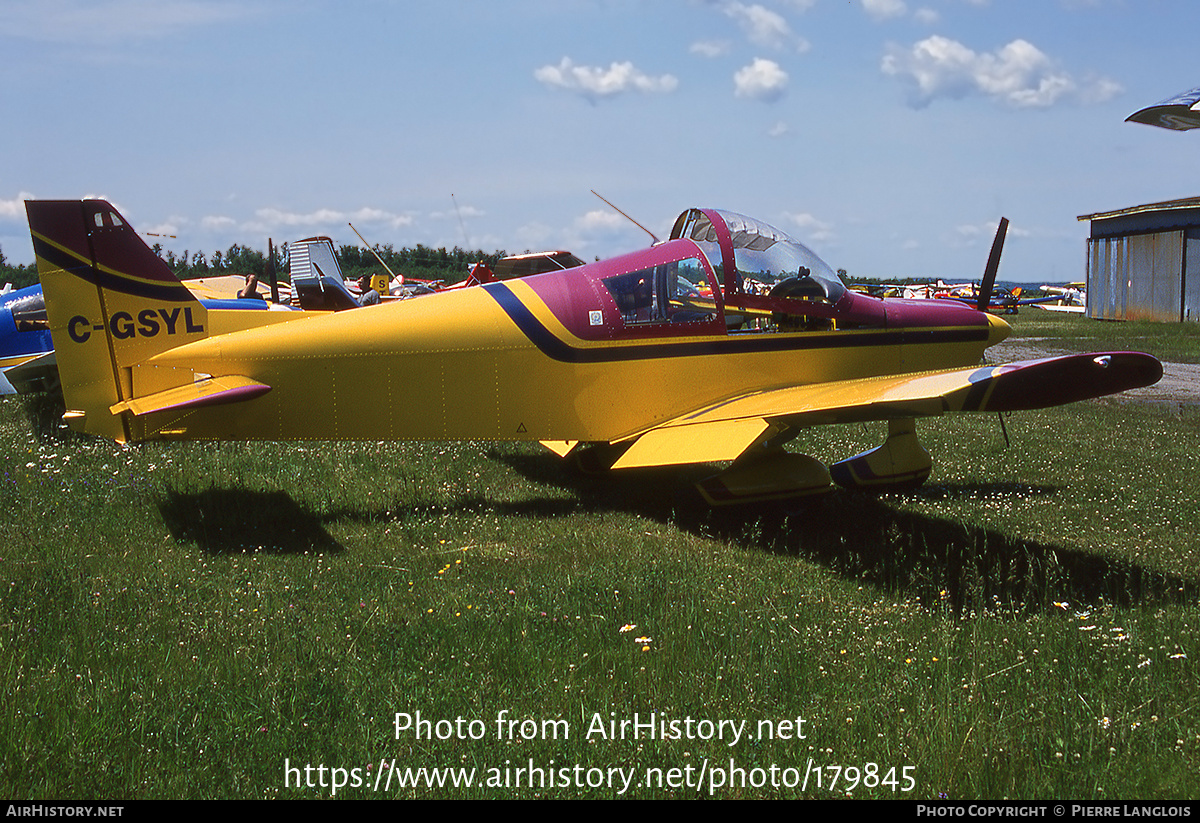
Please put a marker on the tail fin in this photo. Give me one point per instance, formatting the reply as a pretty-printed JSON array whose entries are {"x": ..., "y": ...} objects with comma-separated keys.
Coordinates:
[
  {"x": 111, "y": 303},
  {"x": 316, "y": 276}
]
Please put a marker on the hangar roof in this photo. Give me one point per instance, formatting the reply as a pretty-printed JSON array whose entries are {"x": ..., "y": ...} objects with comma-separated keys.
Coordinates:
[
  {"x": 1166, "y": 205},
  {"x": 1150, "y": 217}
]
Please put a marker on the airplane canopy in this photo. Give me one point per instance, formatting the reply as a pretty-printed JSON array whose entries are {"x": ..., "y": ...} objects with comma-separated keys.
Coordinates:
[{"x": 741, "y": 247}]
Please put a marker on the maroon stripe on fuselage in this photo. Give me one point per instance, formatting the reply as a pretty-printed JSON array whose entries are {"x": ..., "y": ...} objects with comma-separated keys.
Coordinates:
[{"x": 749, "y": 342}]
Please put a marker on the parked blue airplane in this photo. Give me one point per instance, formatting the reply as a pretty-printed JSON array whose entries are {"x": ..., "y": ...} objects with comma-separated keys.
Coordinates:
[{"x": 24, "y": 332}]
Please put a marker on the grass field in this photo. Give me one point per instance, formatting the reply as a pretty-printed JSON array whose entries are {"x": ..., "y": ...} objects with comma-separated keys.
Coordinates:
[{"x": 209, "y": 620}]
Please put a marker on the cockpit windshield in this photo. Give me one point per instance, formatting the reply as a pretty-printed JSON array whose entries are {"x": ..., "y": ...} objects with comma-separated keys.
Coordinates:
[{"x": 761, "y": 253}]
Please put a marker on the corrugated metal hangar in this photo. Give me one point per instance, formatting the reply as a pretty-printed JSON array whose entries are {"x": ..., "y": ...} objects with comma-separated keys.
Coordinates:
[{"x": 1143, "y": 262}]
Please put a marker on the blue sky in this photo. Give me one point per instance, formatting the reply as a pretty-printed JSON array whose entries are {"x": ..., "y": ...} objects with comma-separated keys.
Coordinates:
[{"x": 889, "y": 135}]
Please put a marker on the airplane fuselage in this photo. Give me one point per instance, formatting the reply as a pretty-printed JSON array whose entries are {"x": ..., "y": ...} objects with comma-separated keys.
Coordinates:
[
  {"x": 499, "y": 362},
  {"x": 717, "y": 345}
]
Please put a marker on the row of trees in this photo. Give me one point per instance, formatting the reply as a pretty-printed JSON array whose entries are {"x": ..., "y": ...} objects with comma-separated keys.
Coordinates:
[
  {"x": 19, "y": 276},
  {"x": 235, "y": 260},
  {"x": 420, "y": 262}
]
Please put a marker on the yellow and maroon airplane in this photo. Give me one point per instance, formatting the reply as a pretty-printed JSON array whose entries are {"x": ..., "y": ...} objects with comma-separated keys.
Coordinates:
[{"x": 653, "y": 358}]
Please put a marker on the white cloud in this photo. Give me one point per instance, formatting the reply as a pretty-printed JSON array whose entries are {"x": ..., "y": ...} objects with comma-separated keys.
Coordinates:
[
  {"x": 884, "y": 9},
  {"x": 269, "y": 219},
  {"x": 710, "y": 48},
  {"x": 764, "y": 27},
  {"x": 601, "y": 231},
  {"x": 808, "y": 228},
  {"x": 15, "y": 209},
  {"x": 761, "y": 80},
  {"x": 167, "y": 230},
  {"x": 927, "y": 16},
  {"x": 215, "y": 222},
  {"x": 1099, "y": 90},
  {"x": 968, "y": 232},
  {"x": 779, "y": 129},
  {"x": 598, "y": 232},
  {"x": 1018, "y": 74},
  {"x": 593, "y": 82},
  {"x": 601, "y": 221},
  {"x": 534, "y": 236},
  {"x": 463, "y": 211},
  {"x": 972, "y": 234},
  {"x": 277, "y": 217}
]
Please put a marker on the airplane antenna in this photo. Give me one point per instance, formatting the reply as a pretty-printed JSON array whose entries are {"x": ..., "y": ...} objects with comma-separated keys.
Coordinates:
[
  {"x": 461, "y": 224},
  {"x": 271, "y": 270},
  {"x": 627, "y": 217},
  {"x": 993, "y": 266},
  {"x": 391, "y": 274}
]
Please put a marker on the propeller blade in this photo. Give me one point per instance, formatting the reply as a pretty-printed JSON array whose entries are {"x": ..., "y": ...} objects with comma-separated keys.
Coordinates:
[{"x": 993, "y": 266}]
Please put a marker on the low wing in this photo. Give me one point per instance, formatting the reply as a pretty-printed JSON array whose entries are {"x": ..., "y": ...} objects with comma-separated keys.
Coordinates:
[
  {"x": 1181, "y": 112},
  {"x": 724, "y": 430}
]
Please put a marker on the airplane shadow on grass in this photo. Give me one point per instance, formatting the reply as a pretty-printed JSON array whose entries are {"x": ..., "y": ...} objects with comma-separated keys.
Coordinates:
[
  {"x": 864, "y": 538},
  {"x": 244, "y": 521},
  {"x": 220, "y": 521},
  {"x": 240, "y": 521},
  {"x": 857, "y": 536}
]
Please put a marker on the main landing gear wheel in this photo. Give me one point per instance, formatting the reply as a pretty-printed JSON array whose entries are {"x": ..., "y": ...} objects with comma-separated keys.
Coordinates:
[
  {"x": 900, "y": 463},
  {"x": 776, "y": 475}
]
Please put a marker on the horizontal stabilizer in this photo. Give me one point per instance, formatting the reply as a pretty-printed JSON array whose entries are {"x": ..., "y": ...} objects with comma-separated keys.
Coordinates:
[
  {"x": 39, "y": 361},
  {"x": 35, "y": 374},
  {"x": 211, "y": 391}
]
